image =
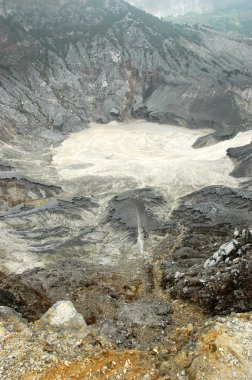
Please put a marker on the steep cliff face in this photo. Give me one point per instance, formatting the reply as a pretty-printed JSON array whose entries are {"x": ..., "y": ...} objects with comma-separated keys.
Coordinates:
[{"x": 64, "y": 63}]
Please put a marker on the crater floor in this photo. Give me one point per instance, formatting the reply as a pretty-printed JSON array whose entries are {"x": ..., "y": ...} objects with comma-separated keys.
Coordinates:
[
  {"x": 149, "y": 154},
  {"x": 99, "y": 220}
]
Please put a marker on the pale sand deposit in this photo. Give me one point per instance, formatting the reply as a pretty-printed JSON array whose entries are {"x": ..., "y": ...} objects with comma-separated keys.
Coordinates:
[{"x": 150, "y": 154}]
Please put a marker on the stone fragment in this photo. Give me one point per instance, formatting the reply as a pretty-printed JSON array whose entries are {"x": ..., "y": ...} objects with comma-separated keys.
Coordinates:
[
  {"x": 12, "y": 320},
  {"x": 114, "y": 112},
  {"x": 64, "y": 314}
]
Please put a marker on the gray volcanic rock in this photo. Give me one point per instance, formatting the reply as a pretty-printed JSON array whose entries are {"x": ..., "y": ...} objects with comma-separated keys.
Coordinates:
[
  {"x": 132, "y": 321},
  {"x": 63, "y": 314},
  {"x": 65, "y": 63},
  {"x": 5, "y": 168},
  {"x": 215, "y": 205},
  {"x": 15, "y": 190},
  {"x": 53, "y": 224},
  {"x": 135, "y": 209},
  {"x": 240, "y": 152},
  {"x": 206, "y": 267},
  {"x": 12, "y": 321},
  {"x": 242, "y": 157},
  {"x": 147, "y": 313}
]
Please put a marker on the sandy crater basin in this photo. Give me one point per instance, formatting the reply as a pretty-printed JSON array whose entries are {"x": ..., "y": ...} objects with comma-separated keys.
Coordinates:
[{"x": 150, "y": 154}]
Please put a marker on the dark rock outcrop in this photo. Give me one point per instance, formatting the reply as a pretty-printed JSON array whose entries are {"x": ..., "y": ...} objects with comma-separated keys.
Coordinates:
[
  {"x": 15, "y": 190},
  {"x": 242, "y": 157},
  {"x": 22, "y": 297},
  {"x": 135, "y": 209},
  {"x": 215, "y": 205},
  {"x": 206, "y": 267}
]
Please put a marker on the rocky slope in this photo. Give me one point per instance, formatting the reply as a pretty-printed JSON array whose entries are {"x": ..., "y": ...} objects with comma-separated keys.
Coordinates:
[
  {"x": 64, "y": 63},
  {"x": 206, "y": 267},
  {"x": 61, "y": 346},
  {"x": 138, "y": 263}
]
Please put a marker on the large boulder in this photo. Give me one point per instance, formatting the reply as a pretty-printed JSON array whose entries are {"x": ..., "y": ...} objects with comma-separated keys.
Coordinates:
[{"x": 64, "y": 314}]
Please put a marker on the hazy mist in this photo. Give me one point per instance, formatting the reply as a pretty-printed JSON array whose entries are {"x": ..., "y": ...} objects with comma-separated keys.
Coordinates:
[{"x": 179, "y": 7}]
